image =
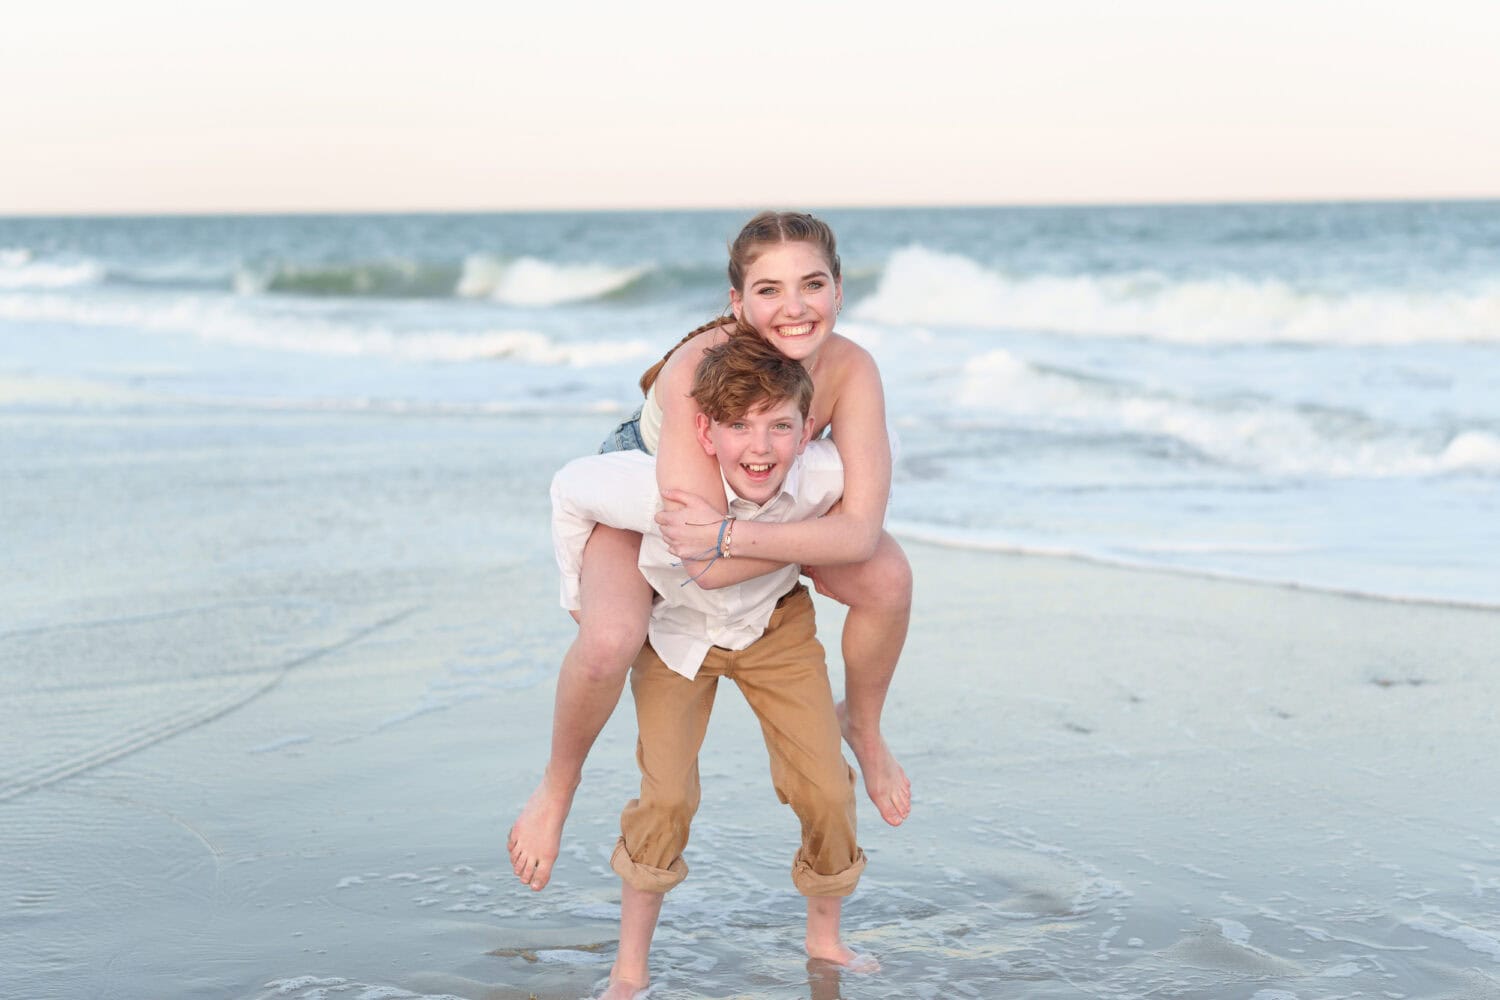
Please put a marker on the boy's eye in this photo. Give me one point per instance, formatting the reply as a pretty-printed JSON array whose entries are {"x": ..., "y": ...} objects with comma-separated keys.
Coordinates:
[
  {"x": 737, "y": 425},
  {"x": 783, "y": 426}
]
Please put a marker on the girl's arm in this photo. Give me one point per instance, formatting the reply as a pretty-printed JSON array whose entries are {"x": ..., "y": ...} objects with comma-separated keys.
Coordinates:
[
  {"x": 849, "y": 535},
  {"x": 683, "y": 467}
]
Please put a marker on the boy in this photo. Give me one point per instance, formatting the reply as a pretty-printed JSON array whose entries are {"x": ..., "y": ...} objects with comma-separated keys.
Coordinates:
[{"x": 758, "y": 631}]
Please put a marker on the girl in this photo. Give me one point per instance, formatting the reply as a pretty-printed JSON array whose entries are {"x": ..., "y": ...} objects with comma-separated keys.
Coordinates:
[{"x": 785, "y": 286}]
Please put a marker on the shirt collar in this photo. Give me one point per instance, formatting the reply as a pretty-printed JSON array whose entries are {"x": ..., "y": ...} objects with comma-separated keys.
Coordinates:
[{"x": 788, "y": 486}]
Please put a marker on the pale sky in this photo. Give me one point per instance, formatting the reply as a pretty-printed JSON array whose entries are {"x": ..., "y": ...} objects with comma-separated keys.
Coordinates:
[{"x": 165, "y": 106}]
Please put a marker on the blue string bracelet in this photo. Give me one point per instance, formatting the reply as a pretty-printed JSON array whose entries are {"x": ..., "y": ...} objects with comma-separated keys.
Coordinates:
[{"x": 712, "y": 555}]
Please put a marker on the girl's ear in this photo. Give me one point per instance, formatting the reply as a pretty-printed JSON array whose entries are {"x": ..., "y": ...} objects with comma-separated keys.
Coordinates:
[{"x": 737, "y": 304}]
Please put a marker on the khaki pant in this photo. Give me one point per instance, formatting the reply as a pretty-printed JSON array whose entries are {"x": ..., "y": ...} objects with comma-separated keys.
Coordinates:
[{"x": 784, "y": 677}]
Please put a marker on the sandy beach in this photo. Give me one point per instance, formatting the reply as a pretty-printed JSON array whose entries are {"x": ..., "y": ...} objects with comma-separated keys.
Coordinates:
[{"x": 275, "y": 684}]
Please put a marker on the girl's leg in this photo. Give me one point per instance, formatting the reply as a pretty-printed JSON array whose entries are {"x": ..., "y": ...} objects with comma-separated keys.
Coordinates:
[
  {"x": 878, "y": 594},
  {"x": 611, "y": 629},
  {"x": 639, "y": 911}
]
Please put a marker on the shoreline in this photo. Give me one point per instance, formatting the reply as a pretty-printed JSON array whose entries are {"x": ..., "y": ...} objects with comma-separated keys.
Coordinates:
[
  {"x": 65, "y": 410},
  {"x": 907, "y": 532}
]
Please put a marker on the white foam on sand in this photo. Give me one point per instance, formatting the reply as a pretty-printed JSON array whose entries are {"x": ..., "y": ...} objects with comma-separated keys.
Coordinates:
[
  {"x": 49, "y": 391},
  {"x": 1233, "y": 931},
  {"x": 330, "y": 987},
  {"x": 1436, "y": 922}
]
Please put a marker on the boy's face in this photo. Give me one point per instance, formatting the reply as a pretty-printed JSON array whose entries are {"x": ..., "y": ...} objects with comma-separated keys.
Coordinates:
[{"x": 756, "y": 451}]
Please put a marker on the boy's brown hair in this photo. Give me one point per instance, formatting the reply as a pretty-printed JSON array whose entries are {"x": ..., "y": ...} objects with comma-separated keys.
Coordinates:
[{"x": 745, "y": 373}]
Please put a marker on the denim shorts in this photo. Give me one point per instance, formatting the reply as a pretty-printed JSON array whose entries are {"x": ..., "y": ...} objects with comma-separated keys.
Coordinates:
[{"x": 626, "y": 437}]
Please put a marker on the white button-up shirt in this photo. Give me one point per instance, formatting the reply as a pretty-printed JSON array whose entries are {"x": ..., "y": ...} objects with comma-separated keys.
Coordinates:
[{"x": 619, "y": 489}]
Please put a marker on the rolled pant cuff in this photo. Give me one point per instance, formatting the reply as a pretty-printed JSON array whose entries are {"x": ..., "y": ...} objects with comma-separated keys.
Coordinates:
[
  {"x": 810, "y": 883},
  {"x": 648, "y": 879}
]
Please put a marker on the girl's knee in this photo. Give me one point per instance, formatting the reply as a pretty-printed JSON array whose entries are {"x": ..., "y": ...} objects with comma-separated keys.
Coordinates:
[
  {"x": 882, "y": 583},
  {"x": 607, "y": 649},
  {"x": 893, "y": 572}
]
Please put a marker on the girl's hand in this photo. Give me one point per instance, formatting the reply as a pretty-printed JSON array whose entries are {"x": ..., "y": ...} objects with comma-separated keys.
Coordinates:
[{"x": 689, "y": 524}]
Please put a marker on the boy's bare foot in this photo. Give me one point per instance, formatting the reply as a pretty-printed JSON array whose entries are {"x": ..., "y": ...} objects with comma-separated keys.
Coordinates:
[
  {"x": 885, "y": 781},
  {"x": 838, "y": 953},
  {"x": 624, "y": 989},
  {"x": 823, "y": 941},
  {"x": 536, "y": 837}
]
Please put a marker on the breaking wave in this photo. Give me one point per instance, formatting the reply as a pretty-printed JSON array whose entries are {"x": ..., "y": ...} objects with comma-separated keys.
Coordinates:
[
  {"x": 1260, "y": 434},
  {"x": 528, "y": 281},
  {"x": 922, "y": 286},
  {"x": 19, "y": 269},
  {"x": 523, "y": 281},
  {"x": 392, "y": 279},
  {"x": 223, "y": 323}
]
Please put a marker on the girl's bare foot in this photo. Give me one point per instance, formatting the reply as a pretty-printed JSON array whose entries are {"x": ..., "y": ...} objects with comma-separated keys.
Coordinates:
[
  {"x": 885, "y": 781},
  {"x": 536, "y": 837}
]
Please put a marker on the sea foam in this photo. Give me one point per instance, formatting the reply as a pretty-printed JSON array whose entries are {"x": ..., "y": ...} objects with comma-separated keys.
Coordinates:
[
  {"x": 19, "y": 269},
  {"x": 224, "y": 322},
  {"x": 921, "y": 286},
  {"x": 1262, "y": 435},
  {"x": 530, "y": 281}
]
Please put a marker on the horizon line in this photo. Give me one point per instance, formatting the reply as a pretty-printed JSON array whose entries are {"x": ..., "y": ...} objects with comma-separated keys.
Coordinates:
[{"x": 310, "y": 212}]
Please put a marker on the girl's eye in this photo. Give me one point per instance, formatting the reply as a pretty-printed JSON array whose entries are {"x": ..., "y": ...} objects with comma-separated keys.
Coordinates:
[
  {"x": 815, "y": 285},
  {"x": 767, "y": 290}
]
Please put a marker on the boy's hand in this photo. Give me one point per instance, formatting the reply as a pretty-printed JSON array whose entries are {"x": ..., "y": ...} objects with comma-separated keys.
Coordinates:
[{"x": 689, "y": 524}]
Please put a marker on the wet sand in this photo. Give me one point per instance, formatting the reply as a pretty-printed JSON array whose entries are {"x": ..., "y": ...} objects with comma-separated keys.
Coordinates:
[{"x": 270, "y": 701}]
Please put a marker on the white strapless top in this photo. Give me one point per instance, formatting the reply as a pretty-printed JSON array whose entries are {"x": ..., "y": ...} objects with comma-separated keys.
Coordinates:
[{"x": 651, "y": 420}]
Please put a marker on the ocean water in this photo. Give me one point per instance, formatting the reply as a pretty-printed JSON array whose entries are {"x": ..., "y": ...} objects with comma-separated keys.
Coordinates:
[{"x": 1294, "y": 393}]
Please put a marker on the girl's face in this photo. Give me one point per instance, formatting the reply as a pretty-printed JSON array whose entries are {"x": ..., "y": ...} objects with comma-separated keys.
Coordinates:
[{"x": 790, "y": 298}]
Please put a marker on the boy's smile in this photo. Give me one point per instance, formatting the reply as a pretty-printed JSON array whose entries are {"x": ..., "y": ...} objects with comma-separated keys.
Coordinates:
[{"x": 756, "y": 451}]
